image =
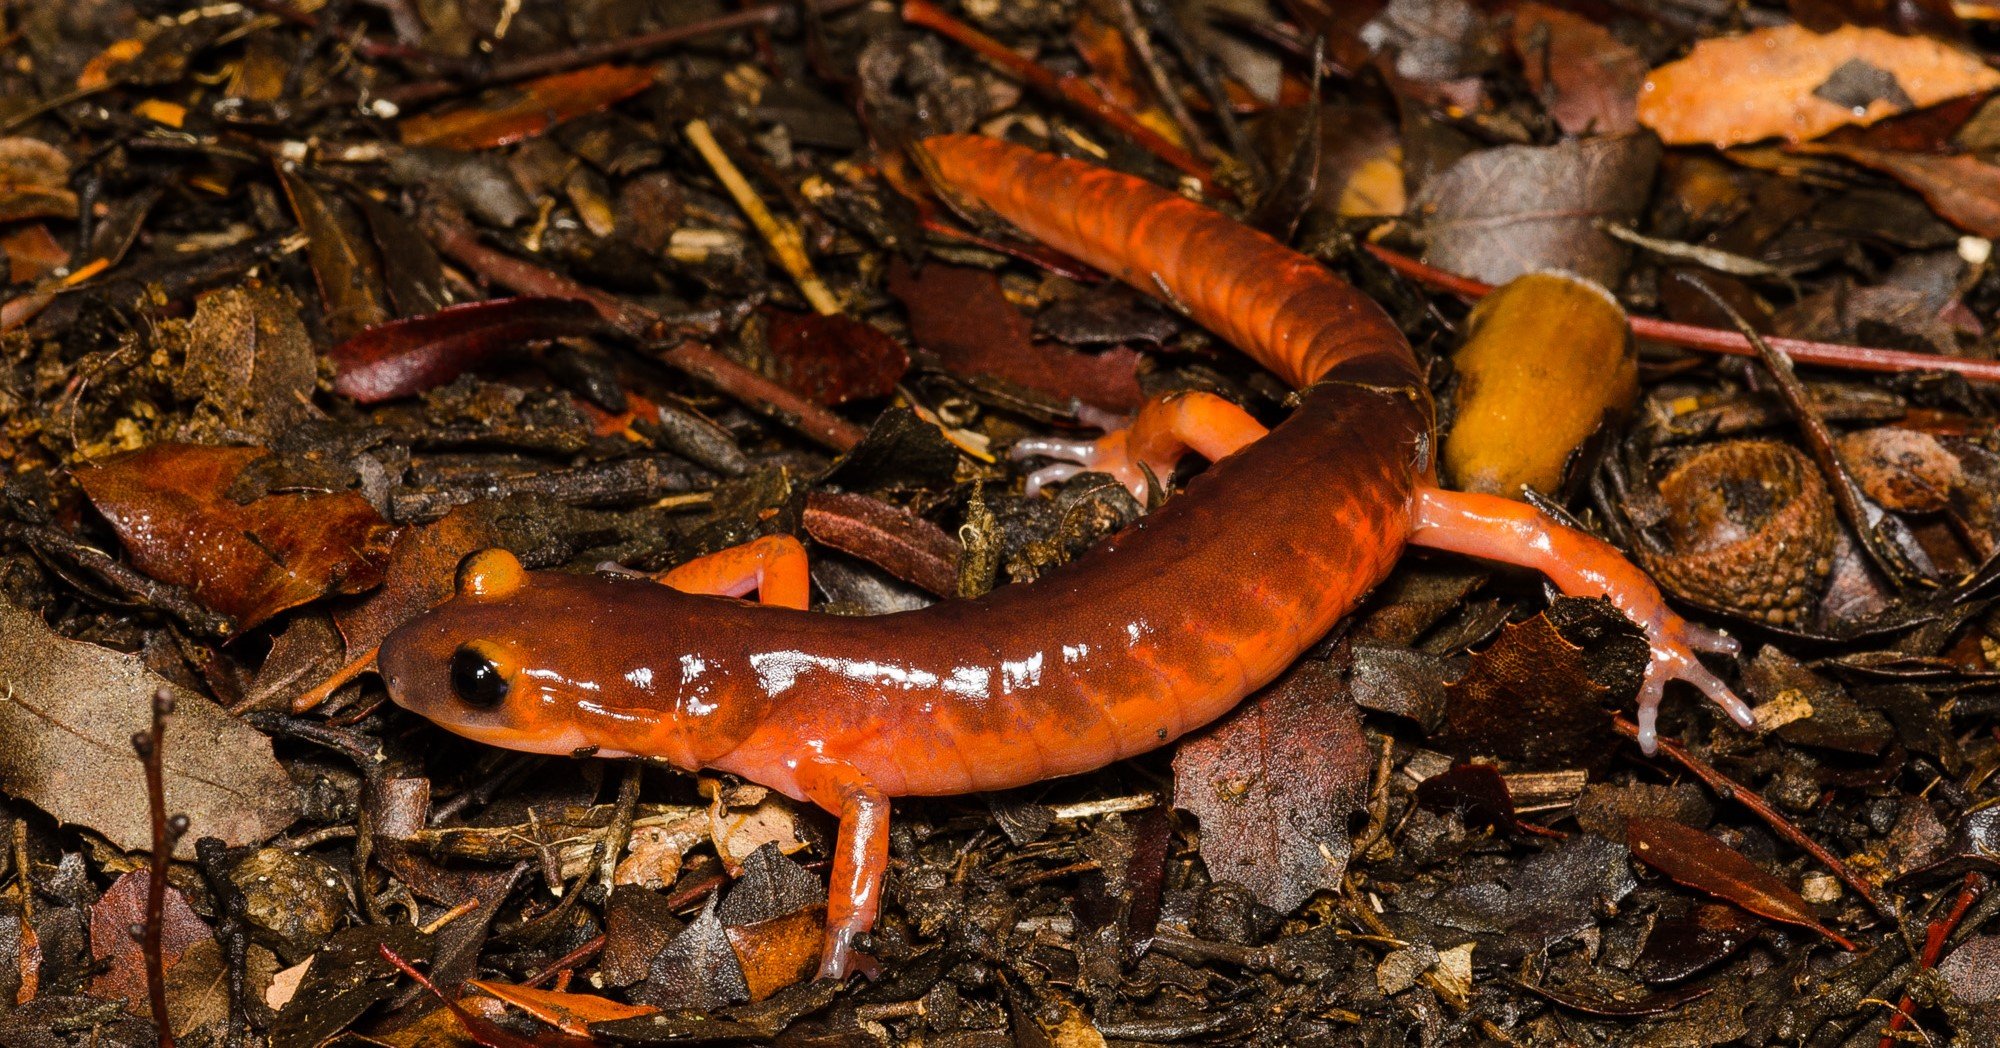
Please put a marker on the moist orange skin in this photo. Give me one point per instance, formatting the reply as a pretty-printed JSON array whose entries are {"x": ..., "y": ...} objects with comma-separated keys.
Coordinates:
[{"x": 1157, "y": 632}]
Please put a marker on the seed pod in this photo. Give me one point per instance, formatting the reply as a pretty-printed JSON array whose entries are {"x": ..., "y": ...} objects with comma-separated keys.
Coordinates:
[
  {"x": 1549, "y": 358},
  {"x": 1750, "y": 530}
]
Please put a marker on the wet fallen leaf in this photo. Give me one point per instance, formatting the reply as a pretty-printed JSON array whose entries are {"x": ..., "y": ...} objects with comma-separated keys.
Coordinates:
[
  {"x": 1500, "y": 213},
  {"x": 1273, "y": 784},
  {"x": 34, "y": 181},
  {"x": 344, "y": 262},
  {"x": 401, "y": 358},
  {"x": 1789, "y": 82},
  {"x": 123, "y": 907},
  {"x": 526, "y": 110},
  {"x": 1537, "y": 696},
  {"x": 1963, "y": 189},
  {"x": 1477, "y": 793},
  {"x": 170, "y": 505},
  {"x": 571, "y": 1013},
  {"x": 832, "y": 357},
  {"x": 904, "y": 545},
  {"x": 67, "y": 722},
  {"x": 1701, "y": 862},
  {"x": 1676, "y": 950},
  {"x": 960, "y": 314},
  {"x": 1588, "y": 80}
]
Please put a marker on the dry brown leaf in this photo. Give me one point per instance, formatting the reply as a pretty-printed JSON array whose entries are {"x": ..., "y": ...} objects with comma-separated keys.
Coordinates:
[
  {"x": 66, "y": 729},
  {"x": 1963, "y": 190},
  {"x": 1789, "y": 82}
]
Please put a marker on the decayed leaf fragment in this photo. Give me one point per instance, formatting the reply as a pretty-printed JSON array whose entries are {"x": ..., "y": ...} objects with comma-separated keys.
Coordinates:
[
  {"x": 1790, "y": 82},
  {"x": 66, "y": 725}
]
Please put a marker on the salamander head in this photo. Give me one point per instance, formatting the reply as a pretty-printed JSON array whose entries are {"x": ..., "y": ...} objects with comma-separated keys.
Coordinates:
[{"x": 552, "y": 663}]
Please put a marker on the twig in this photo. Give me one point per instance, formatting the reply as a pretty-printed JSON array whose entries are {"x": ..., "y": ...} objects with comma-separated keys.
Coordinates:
[
  {"x": 458, "y": 240},
  {"x": 1935, "y": 937},
  {"x": 787, "y": 244},
  {"x": 148, "y": 592},
  {"x": 1070, "y": 89},
  {"x": 1729, "y": 789},
  {"x": 626, "y": 48},
  {"x": 569, "y": 960},
  {"x": 1713, "y": 340},
  {"x": 151, "y": 747}
]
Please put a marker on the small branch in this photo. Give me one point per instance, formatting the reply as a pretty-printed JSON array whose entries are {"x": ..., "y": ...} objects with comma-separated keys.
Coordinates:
[
  {"x": 151, "y": 747},
  {"x": 148, "y": 592},
  {"x": 1729, "y": 789},
  {"x": 627, "y": 48},
  {"x": 787, "y": 245},
  {"x": 459, "y": 241},
  {"x": 1713, "y": 340},
  {"x": 1070, "y": 89},
  {"x": 1935, "y": 937}
]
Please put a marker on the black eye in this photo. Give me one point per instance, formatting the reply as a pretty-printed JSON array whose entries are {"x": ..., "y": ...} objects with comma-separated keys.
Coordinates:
[{"x": 475, "y": 679}]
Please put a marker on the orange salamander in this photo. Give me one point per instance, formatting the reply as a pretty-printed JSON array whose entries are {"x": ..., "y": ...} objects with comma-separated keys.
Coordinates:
[{"x": 1160, "y": 630}]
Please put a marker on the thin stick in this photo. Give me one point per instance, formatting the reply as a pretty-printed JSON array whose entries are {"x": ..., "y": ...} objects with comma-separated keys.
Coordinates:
[
  {"x": 1713, "y": 340},
  {"x": 1074, "y": 90},
  {"x": 456, "y": 239},
  {"x": 1729, "y": 789},
  {"x": 786, "y": 244},
  {"x": 151, "y": 747}
]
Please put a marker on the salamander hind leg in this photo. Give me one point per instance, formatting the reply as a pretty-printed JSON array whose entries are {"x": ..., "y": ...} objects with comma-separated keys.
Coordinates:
[
  {"x": 1154, "y": 440},
  {"x": 774, "y": 567},
  {"x": 860, "y": 861},
  {"x": 1516, "y": 533}
]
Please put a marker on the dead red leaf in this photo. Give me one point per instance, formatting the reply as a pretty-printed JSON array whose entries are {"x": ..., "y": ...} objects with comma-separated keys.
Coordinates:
[
  {"x": 1963, "y": 190},
  {"x": 1789, "y": 82},
  {"x": 899, "y": 542},
  {"x": 116, "y": 913},
  {"x": 960, "y": 314},
  {"x": 405, "y": 357},
  {"x": 170, "y": 505},
  {"x": 1701, "y": 862},
  {"x": 572, "y": 1013},
  {"x": 833, "y": 358},
  {"x": 1589, "y": 81},
  {"x": 526, "y": 110},
  {"x": 1274, "y": 782},
  {"x": 482, "y": 1030}
]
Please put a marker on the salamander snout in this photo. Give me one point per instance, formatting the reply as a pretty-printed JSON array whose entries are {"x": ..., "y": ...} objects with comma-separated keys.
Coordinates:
[{"x": 461, "y": 665}]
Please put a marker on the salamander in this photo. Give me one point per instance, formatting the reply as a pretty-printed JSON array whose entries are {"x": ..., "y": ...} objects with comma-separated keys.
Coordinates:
[{"x": 1157, "y": 631}]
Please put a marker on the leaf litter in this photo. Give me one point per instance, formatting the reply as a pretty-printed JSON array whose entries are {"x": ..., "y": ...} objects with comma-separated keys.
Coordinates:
[{"x": 292, "y": 235}]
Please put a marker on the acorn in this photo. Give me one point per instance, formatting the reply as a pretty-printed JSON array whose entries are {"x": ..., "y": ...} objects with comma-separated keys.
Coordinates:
[{"x": 1749, "y": 530}]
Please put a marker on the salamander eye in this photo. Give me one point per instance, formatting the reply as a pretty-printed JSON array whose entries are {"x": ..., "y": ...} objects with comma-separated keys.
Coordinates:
[{"x": 477, "y": 678}]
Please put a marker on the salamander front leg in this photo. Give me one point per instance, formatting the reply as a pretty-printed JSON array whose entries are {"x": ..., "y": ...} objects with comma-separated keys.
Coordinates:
[
  {"x": 774, "y": 567},
  {"x": 1580, "y": 565},
  {"x": 860, "y": 861},
  {"x": 1164, "y": 429}
]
